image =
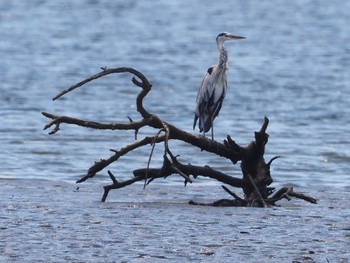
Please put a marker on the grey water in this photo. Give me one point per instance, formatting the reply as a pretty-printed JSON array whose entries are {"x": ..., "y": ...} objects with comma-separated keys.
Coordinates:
[{"x": 293, "y": 68}]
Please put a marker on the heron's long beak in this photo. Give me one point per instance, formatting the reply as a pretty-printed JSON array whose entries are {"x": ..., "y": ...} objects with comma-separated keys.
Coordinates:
[{"x": 237, "y": 37}]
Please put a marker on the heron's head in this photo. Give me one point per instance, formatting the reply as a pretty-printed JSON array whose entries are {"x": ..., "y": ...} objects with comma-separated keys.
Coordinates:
[{"x": 222, "y": 37}]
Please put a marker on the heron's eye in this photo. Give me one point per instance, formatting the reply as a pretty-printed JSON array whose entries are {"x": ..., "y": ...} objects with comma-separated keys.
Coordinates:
[{"x": 220, "y": 36}]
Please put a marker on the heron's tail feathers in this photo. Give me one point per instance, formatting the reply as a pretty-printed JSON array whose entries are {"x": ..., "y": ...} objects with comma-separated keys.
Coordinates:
[
  {"x": 207, "y": 124},
  {"x": 195, "y": 120}
]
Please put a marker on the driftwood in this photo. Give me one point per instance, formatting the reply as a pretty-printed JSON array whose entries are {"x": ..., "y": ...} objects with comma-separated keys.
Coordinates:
[{"x": 256, "y": 179}]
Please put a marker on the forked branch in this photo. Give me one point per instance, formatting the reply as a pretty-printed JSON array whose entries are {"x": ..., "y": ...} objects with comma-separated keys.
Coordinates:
[
  {"x": 143, "y": 84},
  {"x": 256, "y": 172}
]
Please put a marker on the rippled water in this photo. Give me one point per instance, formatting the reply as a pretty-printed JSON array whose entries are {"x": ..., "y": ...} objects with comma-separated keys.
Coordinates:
[
  {"x": 53, "y": 222},
  {"x": 293, "y": 67}
]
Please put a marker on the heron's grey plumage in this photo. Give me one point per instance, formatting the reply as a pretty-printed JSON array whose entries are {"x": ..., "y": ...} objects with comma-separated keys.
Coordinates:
[{"x": 213, "y": 88}]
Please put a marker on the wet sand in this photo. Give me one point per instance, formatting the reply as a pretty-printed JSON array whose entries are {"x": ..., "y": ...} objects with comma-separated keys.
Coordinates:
[{"x": 46, "y": 221}]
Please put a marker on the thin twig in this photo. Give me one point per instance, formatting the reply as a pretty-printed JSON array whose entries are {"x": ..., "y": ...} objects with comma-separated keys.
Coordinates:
[
  {"x": 257, "y": 191},
  {"x": 234, "y": 195},
  {"x": 151, "y": 154}
]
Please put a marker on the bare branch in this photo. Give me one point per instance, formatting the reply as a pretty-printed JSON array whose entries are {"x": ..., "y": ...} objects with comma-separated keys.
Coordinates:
[
  {"x": 98, "y": 166},
  {"x": 144, "y": 84},
  {"x": 288, "y": 192},
  {"x": 195, "y": 171},
  {"x": 57, "y": 120},
  {"x": 264, "y": 126},
  {"x": 303, "y": 196}
]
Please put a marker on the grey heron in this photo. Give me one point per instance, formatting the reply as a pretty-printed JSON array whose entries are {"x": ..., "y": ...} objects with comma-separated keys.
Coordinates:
[{"x": 212, "y": 91}]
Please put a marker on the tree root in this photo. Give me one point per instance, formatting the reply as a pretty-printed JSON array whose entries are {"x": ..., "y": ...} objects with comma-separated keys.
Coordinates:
[{"x": 256, "y": 172}]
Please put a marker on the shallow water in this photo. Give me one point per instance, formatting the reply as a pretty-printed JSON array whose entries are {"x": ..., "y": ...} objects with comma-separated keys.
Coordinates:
[
  {"x": 57, "y": 223},
  {"x": 293, "y": 67}
]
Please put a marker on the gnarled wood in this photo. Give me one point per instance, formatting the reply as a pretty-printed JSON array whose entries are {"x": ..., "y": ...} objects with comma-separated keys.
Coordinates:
[{"x": 256, "y": 172}]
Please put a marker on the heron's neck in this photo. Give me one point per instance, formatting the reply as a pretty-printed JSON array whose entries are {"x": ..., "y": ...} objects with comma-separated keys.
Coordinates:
[{"x": 222, "y": 56}]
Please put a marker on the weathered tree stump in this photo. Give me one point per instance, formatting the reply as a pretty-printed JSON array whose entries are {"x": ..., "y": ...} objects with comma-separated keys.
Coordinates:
[{"x": 256, "y": 179}]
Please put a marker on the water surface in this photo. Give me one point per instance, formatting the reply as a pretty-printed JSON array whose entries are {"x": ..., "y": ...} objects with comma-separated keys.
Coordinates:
[{"x": 293, "y": 67}]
